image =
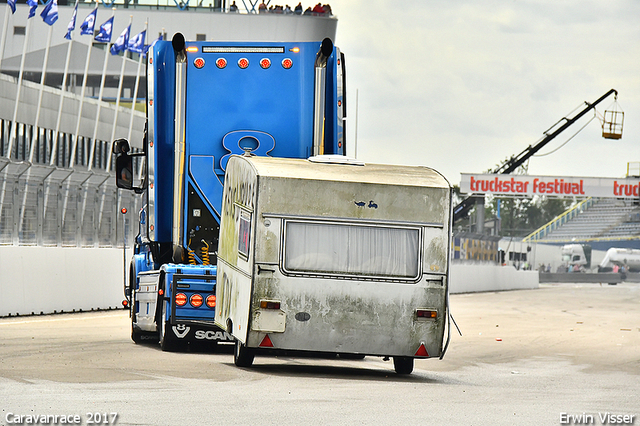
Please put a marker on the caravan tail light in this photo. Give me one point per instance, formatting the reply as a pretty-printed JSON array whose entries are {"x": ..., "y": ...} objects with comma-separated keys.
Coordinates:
[
  {"x": 426, "y": 313},
  {"x": 196, "y": 300},
  {"x": 211, "y": 301},
  {"x": 181, "y": 299},
  {"x": 269, "y": 304}
]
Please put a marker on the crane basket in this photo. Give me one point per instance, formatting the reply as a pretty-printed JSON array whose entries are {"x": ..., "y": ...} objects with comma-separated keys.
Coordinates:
[{"x": 612, "y": 123}]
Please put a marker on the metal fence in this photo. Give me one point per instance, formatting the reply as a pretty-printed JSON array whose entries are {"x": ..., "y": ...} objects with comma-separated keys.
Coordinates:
[{"x": 70, "y": 201}]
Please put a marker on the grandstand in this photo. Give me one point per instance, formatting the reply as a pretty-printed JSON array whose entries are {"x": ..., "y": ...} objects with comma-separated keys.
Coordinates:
[{"x": 602, "y": 222}]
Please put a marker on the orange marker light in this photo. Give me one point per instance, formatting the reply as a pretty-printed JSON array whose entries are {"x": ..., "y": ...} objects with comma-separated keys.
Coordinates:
[
  {"x": 196, "y": 300},
  {"x": 211, "y": 301},
  {"x": 181, "y": 299},
  {"x": 192, "y": 49}
]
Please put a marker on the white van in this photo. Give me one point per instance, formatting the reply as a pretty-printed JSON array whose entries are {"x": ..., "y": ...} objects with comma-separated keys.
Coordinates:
[{"x": 333, "y": 256}]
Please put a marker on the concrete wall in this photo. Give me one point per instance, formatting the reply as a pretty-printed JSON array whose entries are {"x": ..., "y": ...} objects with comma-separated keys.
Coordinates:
[
  {"x": 48, "y": 279},
  {"x": 468, "y": 278},
  {"x": 36, "y": 280}
]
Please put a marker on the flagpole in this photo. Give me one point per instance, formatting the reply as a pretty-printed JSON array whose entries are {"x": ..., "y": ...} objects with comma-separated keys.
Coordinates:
[
  {"x": 14, "y": 125},
  {"x": 54, "y": 148},
  {"x": 82, "y": 91},
  {"x": 97, "y": 120},
  {"x": 5, "y": 27},
  {"x": 134, "y": 98},
  {"x": 124, "y": 61},
  {"x": 42, "y": 80}
]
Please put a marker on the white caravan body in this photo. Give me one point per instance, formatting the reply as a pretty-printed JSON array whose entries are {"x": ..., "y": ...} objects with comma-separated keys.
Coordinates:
[{"x": 336, "y": 258}]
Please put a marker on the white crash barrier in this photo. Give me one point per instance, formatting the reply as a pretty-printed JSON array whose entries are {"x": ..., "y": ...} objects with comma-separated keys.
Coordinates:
[
  {"x": 468, "y": 278},
  {"x": 51, "y": 279}
]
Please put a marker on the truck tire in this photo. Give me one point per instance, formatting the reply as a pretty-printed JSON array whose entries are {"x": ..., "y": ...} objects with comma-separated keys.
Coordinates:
[
  {"x": 403, "y": 364},
  {"x": 242, "y": 356},
  {"x": 167, "y": 341}
]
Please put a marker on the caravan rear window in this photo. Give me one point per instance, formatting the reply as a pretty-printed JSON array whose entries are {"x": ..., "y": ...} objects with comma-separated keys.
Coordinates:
[{"x": 348, "y": 250}]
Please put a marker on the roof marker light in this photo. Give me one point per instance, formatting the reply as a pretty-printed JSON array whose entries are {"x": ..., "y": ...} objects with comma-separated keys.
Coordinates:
[
  {"x": 221, "y": 63},
  {"x": 192, "y": 49},
  {"x": 265, "y": 63},
  {"x": 243, "y": 63},
  {"x": 287, "y": 63},
  {"x": 198, "y": 62},
  {"x": 294, "y": 49}
]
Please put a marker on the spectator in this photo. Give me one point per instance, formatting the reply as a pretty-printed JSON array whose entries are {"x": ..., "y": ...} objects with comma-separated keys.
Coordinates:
[
  {"x": 327, "y": 10},
  {"x": 318, "y": 9},
  {"x": 308, "y": 11},
  {"x": 287, "y": 10},
  {"x": 262, "y": 8},
  {"x": 233, "y": 7},
  {"x": 298, "y": 9}
]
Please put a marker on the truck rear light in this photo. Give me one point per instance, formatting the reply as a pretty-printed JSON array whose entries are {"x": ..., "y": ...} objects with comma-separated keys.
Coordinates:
[
  {"x": 211, "y": 301},
  {"x": 287, "y": 63},
  {"x": 181, "y": 299},
  {"x": 196, "y": 300},
  {"x": 265, "y": 63},
  {"x": 269, "y": 304},
  {"x": 221, "y": 63},
  {"x": 243, "y": 63},
  {"x": 426, "y": 313},
  {"x": 198, "y": 63}
]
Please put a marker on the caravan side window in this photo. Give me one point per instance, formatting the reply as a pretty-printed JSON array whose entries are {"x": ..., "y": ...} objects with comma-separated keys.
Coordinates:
[
  {"x": 244, "y": 234},
  {"x": 351, "y": 250}
]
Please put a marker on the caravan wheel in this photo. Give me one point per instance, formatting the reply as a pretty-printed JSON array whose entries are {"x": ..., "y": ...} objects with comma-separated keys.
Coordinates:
[{"x": 403, "y": 364}]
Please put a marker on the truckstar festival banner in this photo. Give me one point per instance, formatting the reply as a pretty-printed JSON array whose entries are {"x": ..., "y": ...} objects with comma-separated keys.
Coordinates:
[{"x": 565, "y": 186}]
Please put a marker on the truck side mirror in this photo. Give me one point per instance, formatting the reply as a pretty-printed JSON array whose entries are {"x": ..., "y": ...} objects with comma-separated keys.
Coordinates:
[{"x": 124, "y": 171}]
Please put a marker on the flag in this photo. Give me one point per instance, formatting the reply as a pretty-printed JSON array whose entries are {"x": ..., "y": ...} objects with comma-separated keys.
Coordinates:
[
  {"x": 147, "y": 46},
  {"x": 88, "y": 25},
  {"x": 122, "y": 42},
  {"x": 136, "y": 44},
  {"x": 104, "y": 35},
  {"x": 33, "y": 4},
  {"x": 72, "y": 23},
  {"x": 12, "y": 4},
  {"x": 50, "y": 12}
]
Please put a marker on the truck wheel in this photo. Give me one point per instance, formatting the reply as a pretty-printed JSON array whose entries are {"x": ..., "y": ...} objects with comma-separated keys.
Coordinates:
[
  {"x": 167, "y": 343},
  {"x": 242, "y": 356},
  {"x": 403, "y": 364}
]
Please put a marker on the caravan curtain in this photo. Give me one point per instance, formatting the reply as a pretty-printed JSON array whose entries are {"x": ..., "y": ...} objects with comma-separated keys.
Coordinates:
[{"x": 346, "y": 249}]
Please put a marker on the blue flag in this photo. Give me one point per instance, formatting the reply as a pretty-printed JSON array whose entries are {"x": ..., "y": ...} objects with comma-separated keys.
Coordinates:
[
  {"x": 88, "y": 25},
  {"x": 12, "y": 4},
  {"x": 147, "y": 46},
  {"x": 33, "y": 4},
  {"x": 72, "y": 23},
  {"x": 104, "y": 35},
  {"x": 50, "y": 12},
  {"x": 122, "y": 42},
  {"x": 136, "y": 44}
]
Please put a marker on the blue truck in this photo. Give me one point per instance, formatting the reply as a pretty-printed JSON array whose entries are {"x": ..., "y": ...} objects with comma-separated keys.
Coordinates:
[{"x": 207, "y": 101}]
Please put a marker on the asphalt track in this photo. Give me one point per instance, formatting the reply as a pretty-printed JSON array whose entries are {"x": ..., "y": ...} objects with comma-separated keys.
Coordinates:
[{"x": 561, "y": 354}]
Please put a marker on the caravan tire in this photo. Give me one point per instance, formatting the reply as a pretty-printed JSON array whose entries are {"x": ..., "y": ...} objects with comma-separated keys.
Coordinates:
[
  {"x": 403, "y": 364},
  {"x": 242, "y": 356}
]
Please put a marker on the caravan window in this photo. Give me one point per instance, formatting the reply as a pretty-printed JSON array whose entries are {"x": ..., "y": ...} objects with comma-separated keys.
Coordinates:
[{"x": 343, "y": 249}]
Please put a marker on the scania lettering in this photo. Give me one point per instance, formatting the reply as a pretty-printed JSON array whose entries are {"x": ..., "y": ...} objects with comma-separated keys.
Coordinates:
[{"x": 206, "y": 101}]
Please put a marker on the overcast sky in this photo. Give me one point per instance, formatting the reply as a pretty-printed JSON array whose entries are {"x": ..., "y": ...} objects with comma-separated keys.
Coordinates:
[{"x": 461, "y": 85}]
